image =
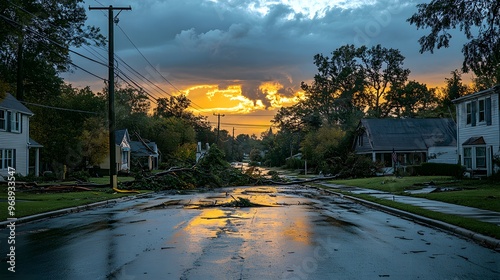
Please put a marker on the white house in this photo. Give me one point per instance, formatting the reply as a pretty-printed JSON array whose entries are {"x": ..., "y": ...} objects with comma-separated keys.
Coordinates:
[
  {"x": 478, "y": 130},
  {"x": 15, "y": 142},
  {"x": 402, "y": 142},
  {"x": 122, "y": 150}
]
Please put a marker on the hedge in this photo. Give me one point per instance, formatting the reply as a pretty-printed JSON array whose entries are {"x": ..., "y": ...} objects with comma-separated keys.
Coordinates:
[{"x": 440, "y": 169}]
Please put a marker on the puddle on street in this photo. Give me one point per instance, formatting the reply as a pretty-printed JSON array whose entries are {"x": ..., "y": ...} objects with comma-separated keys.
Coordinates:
[
  {"x": 276, "y": 218},
  {"x": 210, "y": 222}
]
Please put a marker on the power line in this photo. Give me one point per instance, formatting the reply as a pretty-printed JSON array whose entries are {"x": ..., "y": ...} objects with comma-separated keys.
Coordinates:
[
  {"x": 11, "y": 21},
  {"x": 59, "y": 108},
  {"x": 88, "y": 72},
  {"x": 156, "y": 70}
]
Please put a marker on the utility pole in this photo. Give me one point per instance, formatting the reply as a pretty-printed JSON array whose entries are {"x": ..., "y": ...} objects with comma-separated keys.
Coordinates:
[
  {"x": 111, "y": 92},
  {"x": 218, "y": 126},
  {"x": 232, "y": 146}
]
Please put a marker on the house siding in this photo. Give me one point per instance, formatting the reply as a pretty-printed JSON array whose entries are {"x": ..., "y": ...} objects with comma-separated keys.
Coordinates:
[
  {"x": 122, "y": 145},
  {"x": 363, "y": 145},
  {"x": 18, "y": 142},
  {"x": 490, "y": 133}
]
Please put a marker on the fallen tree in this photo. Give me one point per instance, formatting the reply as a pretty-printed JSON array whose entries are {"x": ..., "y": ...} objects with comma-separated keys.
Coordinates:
[{"x": 212, "y": 171}]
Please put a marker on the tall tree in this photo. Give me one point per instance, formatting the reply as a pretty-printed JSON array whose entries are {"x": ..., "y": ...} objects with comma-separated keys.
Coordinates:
[
  {"x": 332, "y": 95},
  {"x": 59, "y": 128},
  {"x": 479, "y": 20},
  {"x": 383, "y": 72},
  {"x": 411, "y": 100},
  {"x": 177, "y": 106},
  {"x": 454, "y": 88},
  {"x": 35, "y": 37}
]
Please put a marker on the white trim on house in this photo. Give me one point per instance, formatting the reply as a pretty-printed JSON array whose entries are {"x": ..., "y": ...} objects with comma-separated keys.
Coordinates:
[
  {"x": 14, "y": 137},
  {"x": 478, "y": 130}
]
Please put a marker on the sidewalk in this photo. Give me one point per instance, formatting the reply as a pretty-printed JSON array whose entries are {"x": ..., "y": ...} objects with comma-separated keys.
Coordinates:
[{"x": 433, "y": 205}]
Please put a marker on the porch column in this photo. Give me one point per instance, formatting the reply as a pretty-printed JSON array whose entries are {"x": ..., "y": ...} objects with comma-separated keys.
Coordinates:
[
  {"x": 374, "y": 157},
  {"x": 37, "y": 162}
]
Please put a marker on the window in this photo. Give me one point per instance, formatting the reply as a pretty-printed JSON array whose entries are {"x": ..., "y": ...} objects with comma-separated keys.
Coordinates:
[
  {"x": 360, "y": 140},
  {"x": 7, "y": 158},
  {"x": 480, "y": 157},
  {"x": 469, "y": 112},
  {"x": 16, "y": 122},
  {"x": 3, "y": 120},
  {"x": 124, "y": 157},
  {"x": 468, "y": 158},
  {"x": 480, "y": 110},
  {"x": 10, "y": 121}
]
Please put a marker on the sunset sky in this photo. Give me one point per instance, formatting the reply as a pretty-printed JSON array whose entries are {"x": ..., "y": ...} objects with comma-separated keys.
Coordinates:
[{"x": 245, "y": 59}]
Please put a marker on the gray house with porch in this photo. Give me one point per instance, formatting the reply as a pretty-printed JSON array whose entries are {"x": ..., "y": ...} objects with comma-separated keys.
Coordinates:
[{"x": 402, "y": 142}]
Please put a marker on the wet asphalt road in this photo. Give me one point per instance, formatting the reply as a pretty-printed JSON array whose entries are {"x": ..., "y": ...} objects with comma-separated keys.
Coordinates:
[{"x": 303, "y": 234}]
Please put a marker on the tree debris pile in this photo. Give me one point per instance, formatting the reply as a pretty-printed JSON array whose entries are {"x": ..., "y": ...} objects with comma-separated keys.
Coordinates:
[{"x": 212, "y": 171}]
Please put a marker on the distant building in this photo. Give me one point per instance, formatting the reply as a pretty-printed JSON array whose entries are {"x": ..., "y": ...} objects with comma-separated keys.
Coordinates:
[
  {"x": 122, "y": 150},
  {"x": 200, "y": 153},
  {"x": 145, "y": 154},
  {"x": 402, "y": 142},
  {"x": 478, "y": 128},
  {"x": 16, "y": 146}
]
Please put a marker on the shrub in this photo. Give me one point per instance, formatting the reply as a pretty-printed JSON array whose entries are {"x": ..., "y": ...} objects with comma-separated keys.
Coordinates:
[
  {"x": 80, "y": 176},
  {"x": 358, "y": 166},
  {"x": 294, "y": 163},
  {"x": 440, "y": 169}
]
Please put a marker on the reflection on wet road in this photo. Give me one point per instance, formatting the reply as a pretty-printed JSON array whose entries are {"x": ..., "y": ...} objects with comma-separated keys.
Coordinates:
[{"x": 292, "y": 233}]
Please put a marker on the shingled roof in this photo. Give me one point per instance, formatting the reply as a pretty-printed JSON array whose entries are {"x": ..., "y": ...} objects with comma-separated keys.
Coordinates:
[
  {"x": 409, "y": 134},
  {"x": 10, "y": 102}
]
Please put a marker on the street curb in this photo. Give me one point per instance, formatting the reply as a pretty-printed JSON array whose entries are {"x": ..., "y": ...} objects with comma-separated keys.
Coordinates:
[
  {"x": 65, "y": 211},
  {"x": 480, "y": 238}
]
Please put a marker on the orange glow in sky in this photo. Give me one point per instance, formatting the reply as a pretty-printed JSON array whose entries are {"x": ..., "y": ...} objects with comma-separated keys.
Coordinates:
[{"x": 247, "y": 116}]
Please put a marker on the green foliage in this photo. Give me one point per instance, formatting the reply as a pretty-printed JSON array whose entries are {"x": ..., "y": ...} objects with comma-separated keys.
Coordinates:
[
  {"x": 319, "y": 145},
  {"x": 294, "y": 163},
  {"x": 61, "y": 131},
  {"x": 443, "y": 169},
  {"x": 412, "y": 100},
  {"x": 255, "y": 155},
  {"x": 478, "y": 20},
  {"x": 83, "y": 176},
  {"x": 212, "y": 171},
  {"x": 40, "y": 61},
  {"x": 95, "y": 141},
  {"x": 357, "y": 166},
  {"x": 383, "y": 73}
]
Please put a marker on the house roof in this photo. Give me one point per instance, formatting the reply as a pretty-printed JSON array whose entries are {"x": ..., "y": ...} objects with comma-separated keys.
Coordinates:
[
  {"x": 119, "y": 134},
  {"x": 474, "y": 141},
  {"x": 34, "y": 144},
  {"x": 142, "y": 150},
  {"x": 409, "y": 134},
  {"x": 495, "y": 89},
  {"x": 10, "y": 102}
]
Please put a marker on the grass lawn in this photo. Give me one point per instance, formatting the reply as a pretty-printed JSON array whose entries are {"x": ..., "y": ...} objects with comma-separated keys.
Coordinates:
[
  {"x": 484, "y": 228},
  {"x": 30, "y": 203},
  {"x": 483, "y": 194}
]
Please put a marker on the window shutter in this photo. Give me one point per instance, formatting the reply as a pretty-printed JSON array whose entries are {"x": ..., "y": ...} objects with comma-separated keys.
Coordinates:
[
  {"x": 9, "y": 121},
  {"x": 487, "y": 111},
  {"x": 14, "y": 161},
  {"x": 473, "y": 115}
]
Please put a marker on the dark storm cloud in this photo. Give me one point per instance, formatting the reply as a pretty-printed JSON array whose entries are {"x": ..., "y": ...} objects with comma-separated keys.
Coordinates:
[{"x": 226, "y": 42}]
